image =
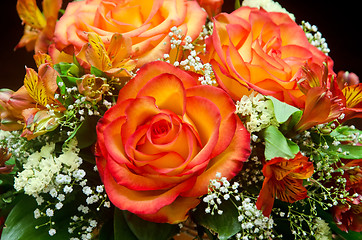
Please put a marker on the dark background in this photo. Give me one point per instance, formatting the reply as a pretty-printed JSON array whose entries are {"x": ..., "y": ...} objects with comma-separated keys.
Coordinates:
[{"x": 339, "y": 23}]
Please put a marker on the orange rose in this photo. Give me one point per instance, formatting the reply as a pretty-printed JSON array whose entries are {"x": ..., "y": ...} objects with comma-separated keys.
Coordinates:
[
  {"x": 264, "y": 51},
  {"x": 163, "y": 141},
  {"x": 146, "y": 22}
]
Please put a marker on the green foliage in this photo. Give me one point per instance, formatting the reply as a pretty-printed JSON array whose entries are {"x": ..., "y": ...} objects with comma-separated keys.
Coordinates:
[
  {"x": 86, "y": 134},
  {"x": 21, "y": 225},
  {"x": 129, "y": 226},
  {"x": 237, "y": 4},
  {"x": 282, "y": 110},
  {"x": 224, "y": 226},
  {"x": 276, "y": 145}
]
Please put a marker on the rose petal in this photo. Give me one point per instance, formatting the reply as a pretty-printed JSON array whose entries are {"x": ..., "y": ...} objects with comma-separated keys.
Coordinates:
[
  {"x": 150, "y": 71},
  {"x": 226, "y": 107},
  {"x": 168, "y": 92},
  {"x": 142, "y": 202},
  {"x": 228, "y": 163},
  {"x": 140, "y": 111},
  {"x": 174, "y": 213}
]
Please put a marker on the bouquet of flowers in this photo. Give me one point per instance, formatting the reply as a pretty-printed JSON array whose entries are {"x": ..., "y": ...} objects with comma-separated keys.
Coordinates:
[{"x": 169, "y": 119}]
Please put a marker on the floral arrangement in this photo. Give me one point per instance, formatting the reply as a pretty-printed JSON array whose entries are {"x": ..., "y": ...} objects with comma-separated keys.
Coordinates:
[{"x": 169, "y": 119}]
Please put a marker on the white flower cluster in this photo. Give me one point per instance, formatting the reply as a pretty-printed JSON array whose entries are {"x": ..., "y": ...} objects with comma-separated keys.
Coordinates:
[
  {"x": 315, "y": 37},
  {"x": 268, "y": 5},
  {"x": 18, "y": 146},
  {"x": 321, "y": 230},
  {"x": 42, "y": 168},
  {"x": 252, "y": 171},
  {"x": 192, "y": 61},
  {"x": 82, "y": 225},
  {"x": 257, "y": 112},
  {"x": 220, "y": 189},
  {"x": 87, "y": 227},
  {"x": 253, "y": 223}
]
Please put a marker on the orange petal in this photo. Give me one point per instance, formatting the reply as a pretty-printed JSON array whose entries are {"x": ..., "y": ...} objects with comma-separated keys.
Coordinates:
[
  {"x": 119, "y": 49},
  {"x": 205, "y": 116},
  {"x": 96, "y": 53},
  {"x": 168, "y": 92},
  {"x": 353, "y": 95},
  {"x": 51, "y": 8},
  {"x": 226, "y": 107},
  {"x": 142, "y": 202},
  {"x": 151, "y": 70},
  {"x": 29, "y": 12},
  {"x": 138, "y": 112},
  {"x": 48, "y": 77},
  {"x": 174, "y": 213},
  {"x": 113, "y": 144},
  {"x": 195, "y": 19},
  {"x": 228, "y": 163}
]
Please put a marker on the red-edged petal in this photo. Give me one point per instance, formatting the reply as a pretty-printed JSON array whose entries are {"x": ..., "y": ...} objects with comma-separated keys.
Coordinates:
[
  {"x": 228, "y": 163},
  {"x": 151, "y": 70},
  {"x": 174, "y": 213},
  {"x": 142, "y": 202},
  {"x": 168, "y": 92}
]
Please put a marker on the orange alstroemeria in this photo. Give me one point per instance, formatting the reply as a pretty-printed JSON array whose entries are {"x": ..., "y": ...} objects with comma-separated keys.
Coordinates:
[
  {"x": 348, "y": 216},
  {"x": 39, "y": 27},
  {"x": 353, "y": 96},
  {"x": 116, "y": 60},
  {"x": 212, "y": 7},
  {"x": 284, "y": 180},
  {"x": 41, "y": 87},
  {"x": 324, "y": 100},
  {"x": 11, "y": 106}
]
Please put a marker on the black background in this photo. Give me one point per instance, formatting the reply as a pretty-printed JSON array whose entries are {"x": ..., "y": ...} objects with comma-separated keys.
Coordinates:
[{"x": 340, "y": 24}]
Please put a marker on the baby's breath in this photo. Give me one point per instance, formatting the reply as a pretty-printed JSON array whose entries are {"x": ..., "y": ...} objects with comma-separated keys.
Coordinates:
[
  {"x": 253, "y": 223},
  {"x": 187, "y": 48},
  {"x": 256, "y": 111},
  {"x": 315, "y": 37}
]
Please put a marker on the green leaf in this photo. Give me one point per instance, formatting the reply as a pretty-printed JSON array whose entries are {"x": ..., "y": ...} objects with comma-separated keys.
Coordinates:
[
  {"x": 293, "y": 146},
  {"x": 61, "y": 85},
  {"x": 68, "y": 69},
  {"x": 145, "y": 230},
  {"x": 291, "y": 122},
  {"x": 86, "y": 134},
  {"x": 20, "y": 223},
  {"x": 121, "y": 229},
  {"x": 107, "y": 231},
  {"x": 7, "y": 179},
  {"x": 225, "y": 225},
  {"x": 282, "y": 110},
  {"x": 346, "y": 133},
  {"x": 346, "y": 151},
  {"x": 99, "y": 73},
  {"x": 74, "y": 133},
  {"x": 237, "y": 4},
  {"x": 276, "y": 145},
  {"x": 62, "y": 68}
]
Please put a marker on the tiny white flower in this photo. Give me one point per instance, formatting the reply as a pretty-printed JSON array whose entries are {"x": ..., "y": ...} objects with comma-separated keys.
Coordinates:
[
  {"x": 49, "y": 212},
  {"x": 37, "y": 213},
  {"x": 52, "y": 232}
]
